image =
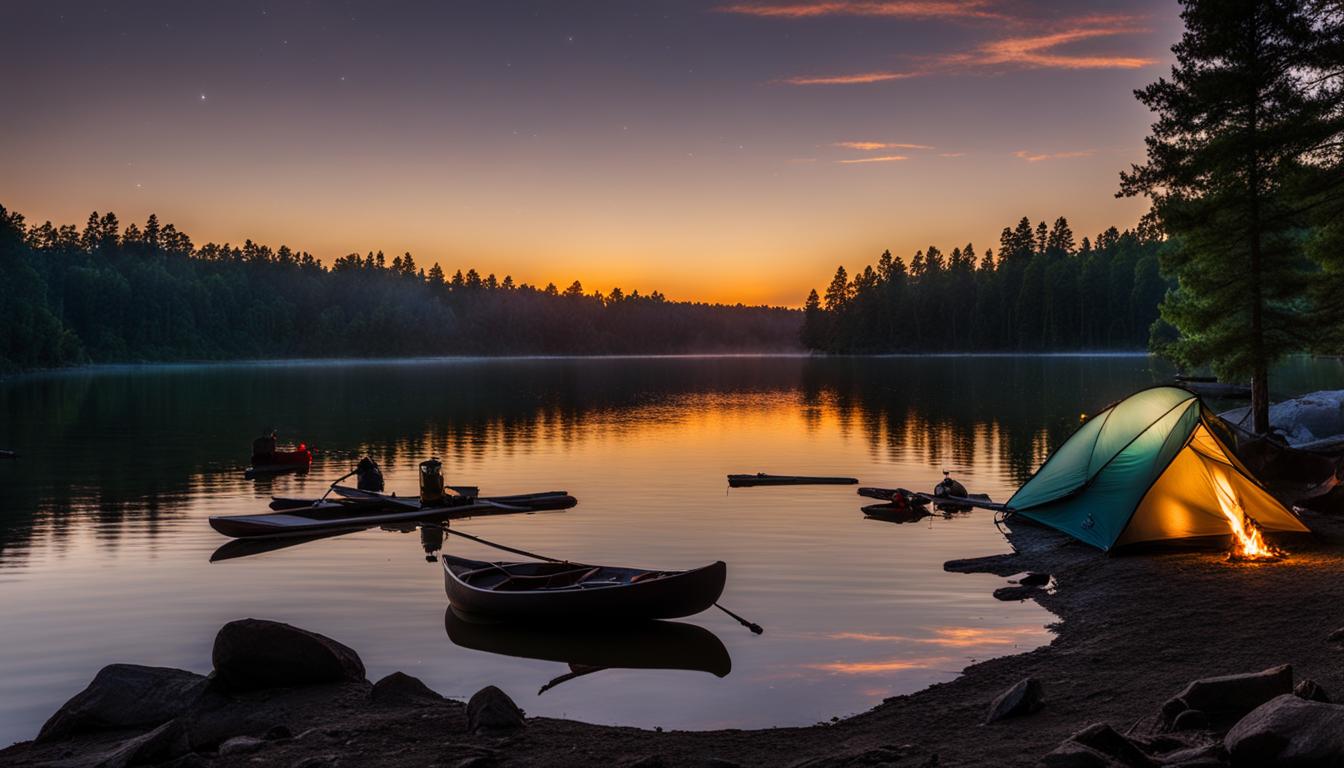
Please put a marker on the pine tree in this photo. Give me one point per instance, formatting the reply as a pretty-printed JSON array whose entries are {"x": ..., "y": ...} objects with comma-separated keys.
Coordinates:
[{"x": 1235, "y": 124}]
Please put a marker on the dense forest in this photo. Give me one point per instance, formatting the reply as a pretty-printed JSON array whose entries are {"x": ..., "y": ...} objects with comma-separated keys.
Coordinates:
[
  {"x": 1043, "y": 291},
  {"x": 146, "y": 293}
]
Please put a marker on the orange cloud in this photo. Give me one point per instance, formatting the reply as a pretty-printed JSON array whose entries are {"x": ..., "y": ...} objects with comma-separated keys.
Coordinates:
[
  {"x": 858, "y": 78},
  {"x": 1036, "y": 157},
  {"x": 1033, "y": 50},
  {"x": 869, "y": 146},
  {"x": 905, "y": 9},
  {"x": 879, "y": 159},
  {"x": 1025, "y": 52},
  {"x": 951, "y": 154}
]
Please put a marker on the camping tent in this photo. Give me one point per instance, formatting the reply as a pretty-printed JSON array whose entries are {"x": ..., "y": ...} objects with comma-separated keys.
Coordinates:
[{"x": 1149, "y": 468}]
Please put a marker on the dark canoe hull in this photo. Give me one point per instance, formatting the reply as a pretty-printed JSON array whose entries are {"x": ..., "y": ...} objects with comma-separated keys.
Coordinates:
[
  {"x": 281, "y": 463},
  {"x": 747, "y": 481},
  {"x": 683, "y": 593},
  {"x": 306, "y": 522},
  {"x": 636, "y": 645}
]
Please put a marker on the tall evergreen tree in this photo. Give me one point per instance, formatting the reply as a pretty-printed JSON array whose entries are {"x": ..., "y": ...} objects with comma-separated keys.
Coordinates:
[{"x": 1236, "y": 123}]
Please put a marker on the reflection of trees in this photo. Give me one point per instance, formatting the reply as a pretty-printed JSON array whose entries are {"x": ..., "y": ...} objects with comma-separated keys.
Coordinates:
[
  {"x": 112, "y": 451},
  {"x": 953, "y": 411}
]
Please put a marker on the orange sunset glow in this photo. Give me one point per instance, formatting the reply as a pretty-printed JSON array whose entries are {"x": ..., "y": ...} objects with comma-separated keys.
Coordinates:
[{"x": 724, "y": 152}]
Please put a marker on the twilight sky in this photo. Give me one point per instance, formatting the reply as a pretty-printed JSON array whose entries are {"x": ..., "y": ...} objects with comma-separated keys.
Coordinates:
[{"x": 724, "y": 150}]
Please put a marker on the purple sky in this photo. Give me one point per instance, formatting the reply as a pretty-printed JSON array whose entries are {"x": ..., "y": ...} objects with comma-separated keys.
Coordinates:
[{"x": 714, "y": 150}]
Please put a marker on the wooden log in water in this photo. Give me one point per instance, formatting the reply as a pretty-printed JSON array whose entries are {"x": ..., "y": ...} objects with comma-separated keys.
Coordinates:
[{"x": 760, "y": 478}]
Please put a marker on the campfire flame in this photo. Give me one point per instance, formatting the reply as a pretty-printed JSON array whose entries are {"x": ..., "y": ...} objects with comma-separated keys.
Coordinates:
[{"x": 1249, "y": 543}]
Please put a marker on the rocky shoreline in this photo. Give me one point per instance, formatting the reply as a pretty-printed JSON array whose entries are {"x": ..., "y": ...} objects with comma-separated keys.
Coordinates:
[{"x": 1179, "y": 659}]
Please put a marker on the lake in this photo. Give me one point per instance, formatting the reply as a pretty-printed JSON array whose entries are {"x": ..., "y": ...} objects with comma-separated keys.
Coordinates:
[{"x": 105, "y": 550}]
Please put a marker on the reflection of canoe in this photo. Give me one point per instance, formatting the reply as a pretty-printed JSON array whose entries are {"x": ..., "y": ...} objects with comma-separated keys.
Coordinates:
[
  {"x": 574, "y": 591},
  {"x": 893, "y": 513},
  {"x": 639, "y": 645},
  {"x": 760, "y": 478},
  {"x": 248, "y": 547},
  {"x": 341, "y": 517}
]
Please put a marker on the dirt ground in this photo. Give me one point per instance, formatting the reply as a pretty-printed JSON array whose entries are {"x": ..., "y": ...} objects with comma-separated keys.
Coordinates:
[{"x": 1132, "y": 631}]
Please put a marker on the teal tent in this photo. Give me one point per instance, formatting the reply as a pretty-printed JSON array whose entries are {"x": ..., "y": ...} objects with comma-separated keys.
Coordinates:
[{"x": 1149, "y": 468}]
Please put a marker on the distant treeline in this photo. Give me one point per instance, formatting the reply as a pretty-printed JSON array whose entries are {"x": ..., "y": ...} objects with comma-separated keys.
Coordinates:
[
  {"x": 1042, "y": 291},
  {"x": 104, "y": 294}
]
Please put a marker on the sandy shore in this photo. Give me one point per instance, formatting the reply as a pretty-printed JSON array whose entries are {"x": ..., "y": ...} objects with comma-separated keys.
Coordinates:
[{"x": 1133, "y": 630}]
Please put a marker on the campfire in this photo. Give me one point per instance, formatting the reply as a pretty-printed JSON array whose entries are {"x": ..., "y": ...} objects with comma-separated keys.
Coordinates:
[{"x": 1248, "y": 544}]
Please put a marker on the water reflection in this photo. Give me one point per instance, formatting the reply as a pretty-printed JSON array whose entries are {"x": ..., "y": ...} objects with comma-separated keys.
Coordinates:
[
  {"x": 134, "y": 446},
  {"x": 655, "y": 645}
]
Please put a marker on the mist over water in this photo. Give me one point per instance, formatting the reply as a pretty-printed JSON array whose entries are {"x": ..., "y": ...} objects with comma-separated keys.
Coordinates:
[{"x": 104, "y": 545}]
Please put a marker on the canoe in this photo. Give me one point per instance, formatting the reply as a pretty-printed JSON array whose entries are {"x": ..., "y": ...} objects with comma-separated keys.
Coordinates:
[
  {"x": 889, "y": 494},
  {"x": 353, "y": 498},
  {"x": 760, "y": 478},
  {"x": 325, "y": 518},
  {"x": 539, "y": 592},
  {"x": 588, "y": 648}
]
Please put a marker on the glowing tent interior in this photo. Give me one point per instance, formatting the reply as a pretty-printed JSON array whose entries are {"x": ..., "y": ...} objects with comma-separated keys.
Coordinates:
[{"x": 1150, "y": 468}]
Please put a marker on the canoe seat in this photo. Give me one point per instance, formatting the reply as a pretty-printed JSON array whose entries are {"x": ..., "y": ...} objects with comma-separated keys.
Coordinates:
[
  {"x": 547, "y": 581},
  {"x": 645, "y": 576}
]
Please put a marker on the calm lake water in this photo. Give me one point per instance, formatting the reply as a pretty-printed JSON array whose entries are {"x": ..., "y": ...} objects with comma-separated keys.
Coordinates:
[{"x": 105, "y": 550}]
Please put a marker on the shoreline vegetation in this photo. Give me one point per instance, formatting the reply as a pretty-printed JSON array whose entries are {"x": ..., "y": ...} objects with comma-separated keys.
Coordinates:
[
  {"x": 105, "y": 294},
  {"x": 1041, "y": 291}
]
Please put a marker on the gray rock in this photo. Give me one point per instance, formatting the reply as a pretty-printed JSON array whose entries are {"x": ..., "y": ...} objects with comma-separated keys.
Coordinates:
[
  {"x": 401, "y": 690},
  {"x": 1235, "y": 695},
  {"x": 1024, "y": 698},
  {"x": 1289, "y": 731},
  {"x": 157, "y": 746},
  {"x": 1210, "y": 755},
  {"x": 1104, "y": 739},
  {"x": 250, "y": 654},
  {"x": 1071, "y": 754},
  {"x": 1311, "y": 691},
  {"x": 1016, "y": 592},
  {"x": 1304, "y": 419},
  {"x": 240, "y": 745},
  {"x": 125, "y": 696},
  {"x": 1191, "y": 720},
  {"x": 490, "y": 709}
]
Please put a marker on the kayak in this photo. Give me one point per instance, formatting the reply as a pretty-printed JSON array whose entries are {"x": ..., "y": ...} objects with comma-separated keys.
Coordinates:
[
  {"x": 344, "y": 517},
  {"x": 281, "y": 462},
  {"x": 588, "y": 648},
  {"x": 537, "y": 591},
  {"x": 760, "y": 478}
]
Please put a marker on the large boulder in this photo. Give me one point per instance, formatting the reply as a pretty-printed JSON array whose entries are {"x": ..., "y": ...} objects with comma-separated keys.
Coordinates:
[
  {"x": 251, "y": 654},
  {"x": 1024, "y": 698},
  {"x": 491, "y": 710},
  {"x": 1304, "y": 419},
  {"x": 1289, "y": 731},
  {"x": 1230, "y": 696},
  {"x": 126, "y": 696}
]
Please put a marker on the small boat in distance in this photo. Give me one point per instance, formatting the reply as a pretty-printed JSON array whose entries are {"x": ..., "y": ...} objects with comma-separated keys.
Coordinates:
[
  {"x": 280, "y": 462},
  {"x": 550, "y": 591},
  {"x": 760, "y": 478}
]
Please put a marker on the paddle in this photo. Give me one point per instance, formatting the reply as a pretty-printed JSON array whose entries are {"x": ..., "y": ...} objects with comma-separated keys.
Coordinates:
[{"x": 751, "y": 625}]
